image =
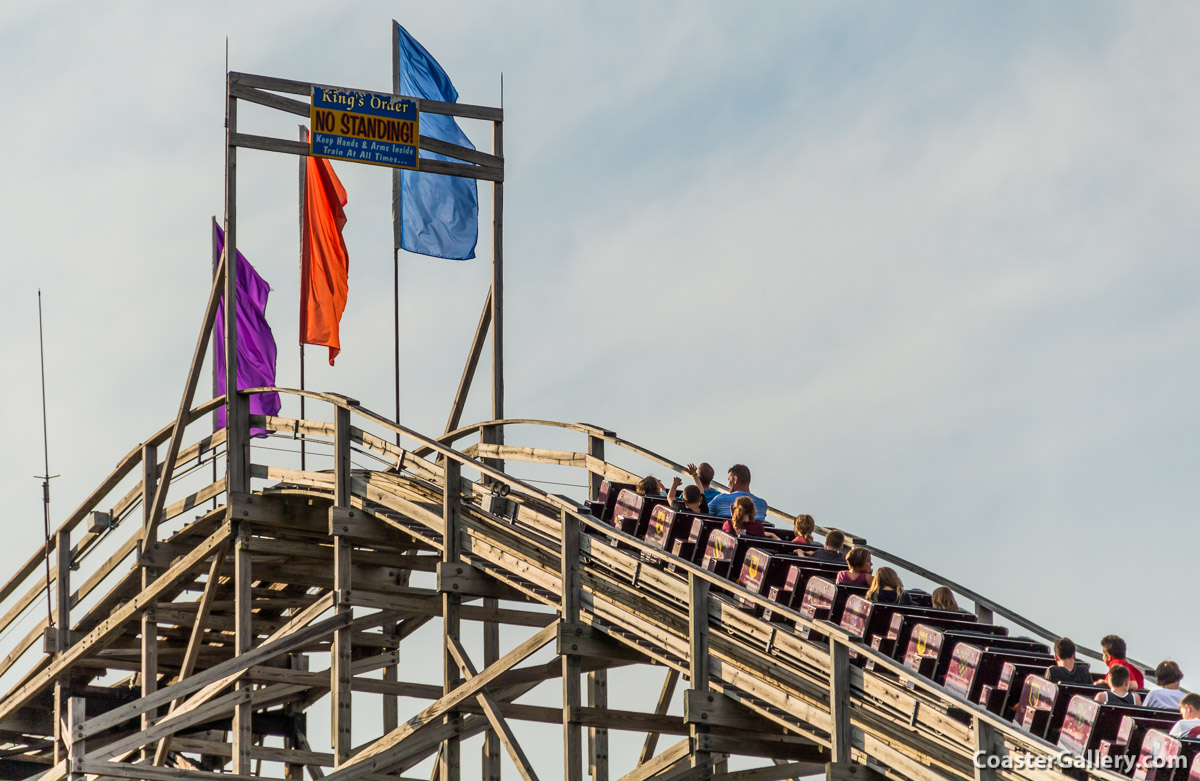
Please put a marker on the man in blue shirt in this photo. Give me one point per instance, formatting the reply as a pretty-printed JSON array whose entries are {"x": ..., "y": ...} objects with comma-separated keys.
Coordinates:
[{"x": 739, "y": 485}]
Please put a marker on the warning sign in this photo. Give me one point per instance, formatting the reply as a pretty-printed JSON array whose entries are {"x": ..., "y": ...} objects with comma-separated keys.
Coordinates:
[{"x": 365, "y": 127}]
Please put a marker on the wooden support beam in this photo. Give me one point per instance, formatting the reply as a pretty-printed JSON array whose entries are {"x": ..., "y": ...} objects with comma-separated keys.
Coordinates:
[
  {"x": 783, "y": 772},
  {"x": 598, "y": 736},
  {"x": 985, "y": 742},
  {"x": 491, "y": 652},
  {"x": 340, "y": 654},
  {"x": 839, "y": 701},
  {"x": 197, "y": 638},
  {"x": 660, "y": 709},
  {"x": 242, "y": 607},
  {"x": 468, "y": 375},
  {"x": 571, "y": 599},
  {"x": 492, "y": 711},
  {"x": 76, "y": 713},
  {"x": 658, "y": 764},
  {"x": 149, "y": 630},
  {"x": 381, "y": 755},
  {"x": 450, "y": 760},
  {"x": 699, "y": 666}
]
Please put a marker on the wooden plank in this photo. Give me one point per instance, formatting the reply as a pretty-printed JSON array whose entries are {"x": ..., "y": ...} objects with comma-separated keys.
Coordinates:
[
  {"x": 378, "y": 756},
  {"x": 839, "y": 702},
  {"x": 113, "y": 624},
  {"x": 464, "y": 110},
  {"x": 450, "y": 758},
  {"x": 659, "y": 763},
  {"x": 597, "y": 689},
  {"x": 660, "y": 709},
  {"x": 217, "y": 674},
  {"x": 473, "y": 355},
  {"x": 571, "y": 586},
  {"x": 197, "y": 636},
  {"x": 493, "y": 714},
  {"x": 243, "y": 605}
]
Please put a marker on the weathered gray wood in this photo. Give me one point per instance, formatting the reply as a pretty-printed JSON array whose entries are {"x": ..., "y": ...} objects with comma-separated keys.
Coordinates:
[
  {"x": 598, "y": 736},
  {"x": 149, "y": 630},
  {"x": 76, "y": 747},
  {"x": 468, "y": 375},
  {"x": 497, "y": 289},
  {"x": 656, "y": 765},
  {"x": 494, "y": 716},
  {"x": 382, "y": 754},
  {"x": 244, "y": 639},
  {"x": 340, "y": 654},
  {"x": 985, "y": 743},
  {"x": 197, "y": 638},
  {"x": 491, "y": 652},
  {"x": 660, "y": 709},
  {"x": 839, "y": 702},
  {"x": 464, "y": 110},
  {"x": 450, "y": 759},
  {"x": 699, "y": 667},
  {"x": 571, "y": 597},
  {"x": 237, "y": 454},
  {"x": 62, "y": 590}
]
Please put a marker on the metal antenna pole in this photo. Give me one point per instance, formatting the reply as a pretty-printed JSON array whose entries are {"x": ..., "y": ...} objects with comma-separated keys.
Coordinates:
[{"x": 45, "y": 476}]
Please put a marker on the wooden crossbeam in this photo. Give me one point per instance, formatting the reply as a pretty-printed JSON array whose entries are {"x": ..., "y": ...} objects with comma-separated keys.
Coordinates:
[
  {"x": 378, "y": 756},
  {"x": 659, "y": 763},
  {"x": 492, "y": 711},
  {"x": 116, "y": 623}
]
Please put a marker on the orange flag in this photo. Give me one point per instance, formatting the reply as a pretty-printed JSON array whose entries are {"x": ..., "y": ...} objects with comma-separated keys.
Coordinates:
[{"x": 325, "y": 270}]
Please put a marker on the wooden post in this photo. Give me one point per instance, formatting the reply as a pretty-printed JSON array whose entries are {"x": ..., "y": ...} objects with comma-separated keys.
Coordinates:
[
  {"x": 450, "y": 762},
  {"x": 62, "y": 590},
  {"x": 340, "y": 655},
  {"x": 62, "y": 633},
  {"x": 243, "y": 638},
  {"x": 571, "y": 663},
  {"x": 76, "y": 713},
  {"x": 839, "y": 702},
  {"x": 598, "y": 736},
  {"x": 985, "y": 742},
  {"x": 698, "y": 589},
  {"x": 498, "y": 285},
  {"x": 491, "y": 652},
  {"x": 237, "y": 461},
  {"x": 596, "y": 450},
  {"x": 149, "y": 629}
]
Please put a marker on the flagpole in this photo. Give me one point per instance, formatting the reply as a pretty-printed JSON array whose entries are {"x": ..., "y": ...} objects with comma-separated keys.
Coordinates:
[
  {"x": 397, "y": 227},
  {"x": 300, "y": 211}
]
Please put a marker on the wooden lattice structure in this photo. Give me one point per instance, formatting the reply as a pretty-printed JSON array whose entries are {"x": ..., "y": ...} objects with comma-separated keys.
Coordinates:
[{"x": 201, "y": 617}]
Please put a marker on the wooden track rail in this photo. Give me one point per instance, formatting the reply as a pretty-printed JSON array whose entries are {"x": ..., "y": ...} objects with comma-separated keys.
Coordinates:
[{"x": 202, "y": 653}]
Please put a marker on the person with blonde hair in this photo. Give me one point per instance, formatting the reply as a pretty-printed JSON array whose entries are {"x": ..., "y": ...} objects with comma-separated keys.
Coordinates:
[
  {"x": 943, "y": 599},
  {"x": 886, "y": 588},
  {"x": 804, "y": 527},
  {"x": 858, "y": 562},
  {"x": 742, "y": 520}
]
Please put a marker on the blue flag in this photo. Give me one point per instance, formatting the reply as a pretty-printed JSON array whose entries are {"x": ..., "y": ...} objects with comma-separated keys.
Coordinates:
[{"x": 433, "y": 214}]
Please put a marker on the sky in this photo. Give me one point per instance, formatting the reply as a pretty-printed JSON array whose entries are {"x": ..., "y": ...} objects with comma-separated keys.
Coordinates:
[{"x": 925, "y": 267}]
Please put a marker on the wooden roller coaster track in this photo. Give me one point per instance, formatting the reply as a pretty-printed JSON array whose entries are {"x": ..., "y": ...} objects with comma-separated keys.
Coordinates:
[{"x": 198, "y": 647}]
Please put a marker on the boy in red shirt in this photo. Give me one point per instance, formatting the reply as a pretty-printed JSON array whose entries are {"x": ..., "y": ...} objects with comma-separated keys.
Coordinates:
[{"x": 1112, "y": 651}]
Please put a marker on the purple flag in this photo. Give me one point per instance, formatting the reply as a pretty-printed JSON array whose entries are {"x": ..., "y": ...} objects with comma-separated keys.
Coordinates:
[{"x": 255, "y": 342}]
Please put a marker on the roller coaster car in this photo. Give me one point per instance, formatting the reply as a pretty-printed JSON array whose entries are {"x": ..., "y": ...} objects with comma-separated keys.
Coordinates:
[
  {"x": 632, "y": 513},
  {"x": 1157, "y": 755},
  {"x": 825, "y": 601},
  {"x": 766, "y": 565},
  {"x": 692, "y": 546},
  {"x": 668, "y": 527},
  {"x": 930, "y": 648},
  {"x": 895, "y": 642},
  {"x": 973, "y": 666},
  {"x": 1043, "y": 705},
  {"x": 1002, "y": 696},
  {"x": 606, "y": 499},
  {"x": 1087, "y": 723},
  {"x": 791, "y": 592},
  {"x": 1131, "y": 733},
  {"x": 871, "y": 620}
]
